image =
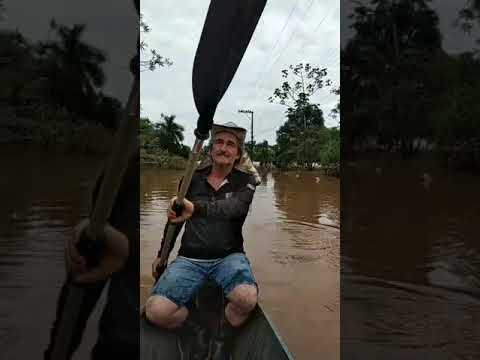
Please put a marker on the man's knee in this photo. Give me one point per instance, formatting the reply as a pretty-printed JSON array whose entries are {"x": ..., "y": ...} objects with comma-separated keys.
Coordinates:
[
  {"x": 160, "y": 310},
  {"x": 245, "y": 297}
]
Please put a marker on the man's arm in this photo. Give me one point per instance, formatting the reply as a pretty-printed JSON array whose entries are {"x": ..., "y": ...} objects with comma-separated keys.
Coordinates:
[{"x": 234, "y": 207}]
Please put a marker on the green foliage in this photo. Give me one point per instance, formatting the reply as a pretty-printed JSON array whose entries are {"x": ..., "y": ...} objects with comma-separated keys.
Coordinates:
[
  {"x": 263, "y": 153},
  {"x": 50, "y": 92},
  {"x": 469, "y": 14},
  {"x": 305, "y": 80},
  {"x": 160, "y": 143},
  {"x": 459, "y": 119},
  {"x": 163, "y": 159},
  {"x": 74, "y": 69},
  {"x": 303, "y": 140},
  {"x": 399, "y": 84},
  {"x": 65, "y": 73},
  {"x": 330, "y": 150},
  {"x": 155, "y": 60}
]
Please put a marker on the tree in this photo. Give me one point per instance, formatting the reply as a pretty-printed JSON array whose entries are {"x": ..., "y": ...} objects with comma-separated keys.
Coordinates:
[
  {"x": 335, "y": 112},
  {"x": 330, "y": 149},
  {"x": 155, "y": 60},
  {"x": 306, "y": 81},
  {"x": 263, "y": 153},
  {"x": 392, "y": 39},
  {"x": 469, "y": 15},
  {"x": 162, "y": 139},
  {"x": 149, "y": 141},
  {"x": 17, "y": 66},
  {"x": 74, "y": 68},
  {"x": 303, "y": 117},
  {"x": 170, "y": 134}
]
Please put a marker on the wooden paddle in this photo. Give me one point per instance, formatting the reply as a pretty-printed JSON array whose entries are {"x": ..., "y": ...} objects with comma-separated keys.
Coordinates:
[
  {"x": 226, "y": 33},
  {"x": 92, "y": 245}
]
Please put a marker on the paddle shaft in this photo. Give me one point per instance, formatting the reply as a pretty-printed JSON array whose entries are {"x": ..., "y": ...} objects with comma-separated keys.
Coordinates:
[
  {"x": 227, "y": 30},
  {"x": 192, "y": 163},
  {"x": 116, "y": 166},
  {"x": 113, "y": 175}
]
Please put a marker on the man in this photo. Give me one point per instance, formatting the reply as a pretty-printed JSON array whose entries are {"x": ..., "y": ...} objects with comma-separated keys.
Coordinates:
[{"x": 214, "y": 211}]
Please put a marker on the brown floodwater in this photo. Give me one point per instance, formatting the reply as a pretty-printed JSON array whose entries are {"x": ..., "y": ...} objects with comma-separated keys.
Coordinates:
[
  {"x": 294, "y": 256},
  {"x": 293, "y": 241},
  {"x": 410, "y": 260},
  {"x": 43, "y": 196}
]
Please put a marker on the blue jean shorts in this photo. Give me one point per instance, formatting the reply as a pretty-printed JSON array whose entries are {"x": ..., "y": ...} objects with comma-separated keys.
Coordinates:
[{"x": 184, "y": 276}]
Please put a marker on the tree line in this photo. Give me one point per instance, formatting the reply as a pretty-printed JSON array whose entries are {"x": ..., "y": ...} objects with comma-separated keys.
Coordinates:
[
  {"x": 402, "y": 91},
  {"x": 51, "y": 90},
  {"x": 302, "y": 141},
  {"x": 161, "y": 142}
]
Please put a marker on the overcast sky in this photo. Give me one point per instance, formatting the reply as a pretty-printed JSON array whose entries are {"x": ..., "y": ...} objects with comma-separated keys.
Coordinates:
[
  {"x": 454, "y": 40},
  {"x": 111, "y": 25},
  {"x": 289, "y": 32}
]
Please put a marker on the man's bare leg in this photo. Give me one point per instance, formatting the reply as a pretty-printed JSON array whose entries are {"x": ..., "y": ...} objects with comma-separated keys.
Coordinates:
[
  {"x": 165, "y": 313},
  {"x": 243, "y": 299}
]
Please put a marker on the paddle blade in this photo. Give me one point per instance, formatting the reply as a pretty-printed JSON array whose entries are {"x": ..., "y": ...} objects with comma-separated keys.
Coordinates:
[{"x": 228, "y": 28}]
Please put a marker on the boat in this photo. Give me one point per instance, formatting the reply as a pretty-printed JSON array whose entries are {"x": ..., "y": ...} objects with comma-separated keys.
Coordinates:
[{"x": 257, "y": 339}]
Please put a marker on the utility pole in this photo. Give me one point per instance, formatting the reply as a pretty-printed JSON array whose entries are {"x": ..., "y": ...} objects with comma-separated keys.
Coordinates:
[{"x": 251, "y": 127}]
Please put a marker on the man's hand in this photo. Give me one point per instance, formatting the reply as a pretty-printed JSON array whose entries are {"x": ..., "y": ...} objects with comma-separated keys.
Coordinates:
[
  {"x": 187, "y": 211},
  {"x": 115, "y": 256}
]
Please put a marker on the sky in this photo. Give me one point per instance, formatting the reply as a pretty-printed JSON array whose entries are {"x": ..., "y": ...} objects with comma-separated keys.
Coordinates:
[
  {"x": 454, "y": 40},
  {"x": 111, "y": 25},
  {"x": 289, "y": 32}
]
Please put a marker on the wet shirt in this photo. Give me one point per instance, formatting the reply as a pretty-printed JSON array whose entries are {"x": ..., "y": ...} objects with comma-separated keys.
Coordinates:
[{"x": 215, "y": 228}]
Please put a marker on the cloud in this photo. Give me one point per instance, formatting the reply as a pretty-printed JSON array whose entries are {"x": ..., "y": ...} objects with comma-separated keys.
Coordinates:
[{"x": 176, "y": 28}]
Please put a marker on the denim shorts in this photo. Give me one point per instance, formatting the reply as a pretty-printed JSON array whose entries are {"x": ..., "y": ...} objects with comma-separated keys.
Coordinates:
[{"x": 184, "y": 276}]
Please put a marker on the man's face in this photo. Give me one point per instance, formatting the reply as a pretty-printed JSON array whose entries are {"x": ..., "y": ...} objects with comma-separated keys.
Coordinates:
[{"x": 225, "y": 149}]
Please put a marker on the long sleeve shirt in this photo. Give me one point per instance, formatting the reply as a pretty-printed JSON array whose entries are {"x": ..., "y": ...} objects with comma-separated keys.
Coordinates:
[{"x": 215, "y": 228}]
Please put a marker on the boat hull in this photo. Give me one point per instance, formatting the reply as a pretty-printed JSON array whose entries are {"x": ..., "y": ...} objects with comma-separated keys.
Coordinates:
[{"x": 256, "y": 340}]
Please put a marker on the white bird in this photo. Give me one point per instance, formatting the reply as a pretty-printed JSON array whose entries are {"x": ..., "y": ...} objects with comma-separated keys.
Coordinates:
[{"x": 317, "y": 179}]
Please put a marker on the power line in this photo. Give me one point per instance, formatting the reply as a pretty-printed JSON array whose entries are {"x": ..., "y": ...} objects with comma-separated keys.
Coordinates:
[
  {"x": 301, "y": 50},
  {"x": 283, "y": 28},
  {"x": 261, "y": 76},
  {"x": 321, "y": 22},
  {"x": 275, "y": 45},
  {"x": 269, "y": 68}
]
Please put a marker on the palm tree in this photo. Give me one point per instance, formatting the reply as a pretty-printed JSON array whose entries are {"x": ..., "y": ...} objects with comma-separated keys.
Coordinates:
[
  {"x": 170, "y": 134},
  {"x": 74, "y": 66}
]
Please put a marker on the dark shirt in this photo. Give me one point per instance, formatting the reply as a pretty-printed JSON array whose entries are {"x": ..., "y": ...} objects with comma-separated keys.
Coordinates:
[{"x": 215, "y": 228}]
